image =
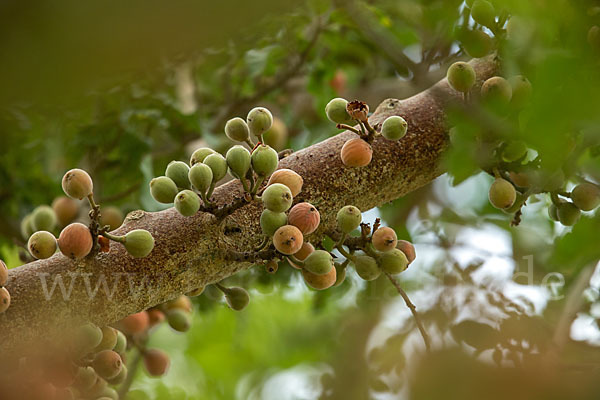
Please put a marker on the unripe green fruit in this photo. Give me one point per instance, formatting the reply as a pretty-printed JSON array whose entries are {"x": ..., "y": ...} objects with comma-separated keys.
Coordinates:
[
  {"x": 88, "y": 337},
  {"x": 107, "y": 364},
  {"x": 237, "y": 298},
  {"x": 42, "y": 245},
  {"x": 187, "y": 203},
  {"x": 289, "y": 178},
  {"x": 288, "y": 239},
  {"x": 75, "y": 241},
  {"x": 156, "y": 362},
  {"x": 483, "y": 13},
  {"x": 259, "y": 120},
  {"x": 179, "y": 320},
  {"x": 336, "y": 111},
  {"x": 586, "y": 196},
  {"x": 201, "y": 176},
  {"x": 264, "y": 160},
  {"x": 139, "y": 243},
  {"x": 237, "y": 130},
  {"x": 3, "y": 273},
  {"x": 496, "y": 90},
  {"x": 121, "y": 344},
  {"x": 271, "y": 221},
  {"x": 366, "y": 267},
  {"x": 43, "y": 219},
  {"x": 318, "y": 262},
  {"x": 553, "y": 212},
  {"x": 277, "y": 136},
  {"x": 109, "y": 339},
  {"x": 4, "y": 299},
  {"x": 408, "y": 249},
  {"x": 181, "y": 302},
  {"x": 178, "y": 172},
  {"x": 514, "y": 151},
  {"x": 394, "y": 128},
  {"x": 301, "y": 254},
  {"x": 111, "y": 216},
  {"x": 77, "y": 184},
  {"x": 519, "y": 201},
  {"x": 26, "y": 227},
  {"x": 109, "y": 393},
  {"x": 277, "y": 198},
  {"x": 95, "y": 392},
  {"x": 66, "y": 210},
  {"x": 200, "y": 154},
  {"x": 461, "y": 76},
  {"x": 213, "y": 293},
  {"x": 135, "y": 323},
  {"x": 384, "y": 239},
  {"x": 348, "y": 219},
  {"x": 476, "y": 42},
  {"x": 119, "y": 379},
  {"x": 305, "y": 217},
  {"x": 521, "y": 91},
  {"x": 163, "y": 189},
  {"x": 393, "y": 262},
  {"x": 218, "y": 165},
  {"x": 568, "y": 213},
  {"x": 85, "y": 378},
  {"x": 593, "y": 37},
  {"x": 238, "y": 161},
  {"x": 502, "y": 194},
  {"x": 320, "y": 282}
]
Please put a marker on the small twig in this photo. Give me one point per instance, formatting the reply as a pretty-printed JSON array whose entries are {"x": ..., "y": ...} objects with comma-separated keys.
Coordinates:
[
  {"x": 131, "y": 372},
  {"x": 348, "y": 128},
  {"x": 413, "y": 310}
]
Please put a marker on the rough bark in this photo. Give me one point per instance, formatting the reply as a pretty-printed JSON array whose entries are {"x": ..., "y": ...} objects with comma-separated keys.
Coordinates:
[{"x": 190, "y": 252}]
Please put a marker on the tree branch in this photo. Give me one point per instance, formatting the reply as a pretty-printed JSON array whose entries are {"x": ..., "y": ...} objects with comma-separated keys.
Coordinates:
[{"x": 49, "y": 295}]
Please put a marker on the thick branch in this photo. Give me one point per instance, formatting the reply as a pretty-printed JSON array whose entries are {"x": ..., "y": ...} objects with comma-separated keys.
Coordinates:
[{"x": 190, "y": 252}]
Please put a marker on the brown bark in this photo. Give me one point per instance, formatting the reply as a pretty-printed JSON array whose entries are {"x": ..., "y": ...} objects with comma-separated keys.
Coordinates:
[{"x": 191, "y": 252}]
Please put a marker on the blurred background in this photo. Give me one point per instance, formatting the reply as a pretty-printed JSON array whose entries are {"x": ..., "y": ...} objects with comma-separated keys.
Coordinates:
[{"x": 122, "y": 88}]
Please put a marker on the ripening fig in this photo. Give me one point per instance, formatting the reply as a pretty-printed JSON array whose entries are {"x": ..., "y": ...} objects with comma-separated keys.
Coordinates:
[
  {"x": 408, "y": 249},
  {"x": 181, "y": 302},
  {"x": 4, "y": 300},
  {"x": 305, "y": 217},
  {"x": 135, "y": 323},
  {"x": 43, "y": 219},
  {"x": 264, "y": 160},
  {"x": 199, "y": 155},
  {"x": 320, "y": 282},
  {"x": 366, "y": 267},
  {"x": 521, "y": 90},
  {"x": 111, "y": 216},
  {"x": 196, "y": 292},
  {"x": 179, "y": 320},
  {"x": 218, "y": 165},
  {"x": 237, "y": 298},
  {"x": 109, "y": 339},
  {"x": 66, "y": 210},
  {"x": 393, "y": 262},
  {"x": 384, "y": 239},
  {"x": 42, "y": 245},
  {"x": 348, "y": 219},
  {"x": 121, "y": 344},
  {"x": 521, "y": 179},
  {"x": 271, "y": 221},
  {"x": 461, "y": 76},
  {"x": 178, "y": 172},
  {"x": 502, "y": 194},
  {"x": 301, "y": 254},
  {"x": 289, "y": 178},
  {"x": 277, "y": 136},
  {"x": 514, "y": 151},
  {"x": 75, "y": 241},
  {"x": 394, "y": 128},
  {"x": 277, "y": 198},
  {"x": 237, "y": 130},
  {"x": 259, "y": 120},
  {"x": 77, "y": 184},
  {"x": 356, "y": 153},
  {"x": 568, "y": 213},
  {"x": 483, "y": 13},
  {"x": 88, "y": 337},
  {"x": 238, "y": 160},
  {"x": 187, "y": 203},
  {"x": 201, "y": 176},
  {"x": 336, "y": 111},
  {"x": 496, "y": 90},
  {"x": 288, "y": 239},
  {"x": 107, "y": 364},
  {"x": 139, "y": 243},
  {"x": 3, "y": 273},
  {"x": 156, "y": 362},
  {"x": 155, "y": 317},
  {"x": 117, "y": 380},
  {"x": 272, "y": 266},
  {"x": 163, "y": 189},
  {"x": 586, "y": 196},
  {"x": 319, "y": 262},
  {"x": 85, "y": 378}
]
